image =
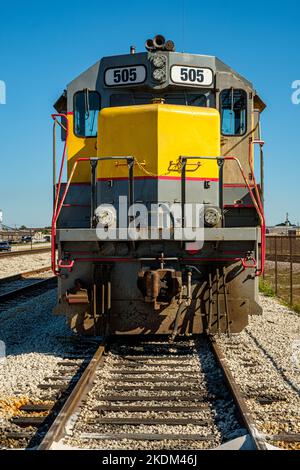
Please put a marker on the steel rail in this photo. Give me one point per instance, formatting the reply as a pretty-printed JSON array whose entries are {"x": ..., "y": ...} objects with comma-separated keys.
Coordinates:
[
  {"x": 24, "y": 252},
  {"x": 258, "y": 440},
  {"x": 12, "y": 294},
  {"x": 23, "y": 275},
  {"x": 283, "y": 258},
  {"x": 58, "y": 428}
]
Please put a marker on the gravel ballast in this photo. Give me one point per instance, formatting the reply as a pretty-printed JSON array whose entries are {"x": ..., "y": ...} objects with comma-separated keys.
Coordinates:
[
  {"x": 32, "y": 338},
  {"x": 23, "y": 263},
  {"x": 214, "y": 423},
  {"x": 264, "y": 361}
]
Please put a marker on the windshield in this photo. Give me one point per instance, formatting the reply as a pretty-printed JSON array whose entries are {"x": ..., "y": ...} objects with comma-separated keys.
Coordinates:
[{"x": 184, "y": 99}]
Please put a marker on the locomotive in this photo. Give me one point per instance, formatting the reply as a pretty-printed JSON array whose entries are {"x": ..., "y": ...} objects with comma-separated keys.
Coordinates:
[{"x": 159, "y": 228}]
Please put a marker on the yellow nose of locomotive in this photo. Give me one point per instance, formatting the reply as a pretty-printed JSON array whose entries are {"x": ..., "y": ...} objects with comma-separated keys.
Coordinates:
[{"x": 156, "y": 135}]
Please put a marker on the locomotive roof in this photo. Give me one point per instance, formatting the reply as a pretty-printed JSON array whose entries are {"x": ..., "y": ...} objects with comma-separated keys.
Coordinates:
[
  {"x": 193, "y": 59},
  {"x": 94, "y": 77}
]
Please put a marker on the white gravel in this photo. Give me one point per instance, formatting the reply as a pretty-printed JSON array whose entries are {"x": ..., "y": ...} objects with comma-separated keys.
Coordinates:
[
  {"x": 266, "y": 363},
  {"x": 18, "y": 264},
  {"x": 32, "y": 337},
  {"x": 27, "y": 246},
  {"x": 218, "y": 415}
]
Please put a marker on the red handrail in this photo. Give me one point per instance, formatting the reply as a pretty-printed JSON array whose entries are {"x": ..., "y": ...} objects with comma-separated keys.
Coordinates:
[
  {"x": 54, "y": 116},
  {"x": 56, "y": 213},
  {"x": 263, "y": 236},
  {"x": 259, "y": 209},
  {"x": 57, "y": 192},
  {"x": 257, "y": 204}
]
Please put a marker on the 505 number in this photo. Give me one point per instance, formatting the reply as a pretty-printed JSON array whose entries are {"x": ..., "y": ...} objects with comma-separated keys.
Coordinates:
[
  {"x": 197, "y": 76},
  {"x": 125, "y": 75},
  {"x": 192, "y": 75},
  {"x": 119, "y": 76}
]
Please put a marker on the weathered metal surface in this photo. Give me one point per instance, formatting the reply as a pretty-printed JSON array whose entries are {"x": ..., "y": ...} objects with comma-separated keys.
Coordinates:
[
  {"x": 158, "y": 388},
  {"x": 183, "y": 372},
  {"x": 285, "y": 437},
  {"x": 60, "y": 386},
  {"x": 161, "y": 379},
  {"x": 145, "y": 437},
  {"x": 23, "y": 275},
  {"x": 159, "y": 286},
  {"x": 134, "y": 398},
  {"x": 37, "y": 407},
  {"x": 28, "y": 420},
  {"x": 24, "y": 252},
  {"x": 210, "y": 234},
  {"x": 77, "y": 395},
  {"x": 156, "y": 408},
  {"x": 29, "y": 288},
  {"x": 258, "y": 440},
  {"x": 150, "y": 421}
]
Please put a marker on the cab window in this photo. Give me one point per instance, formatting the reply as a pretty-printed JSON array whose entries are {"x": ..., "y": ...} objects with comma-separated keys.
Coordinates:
[
  {"x": 129, "y": 99},
  {"x": 187, "y": 99},
  {"x": 233, "y": 112},
  {"x": 87, "y": 105}
]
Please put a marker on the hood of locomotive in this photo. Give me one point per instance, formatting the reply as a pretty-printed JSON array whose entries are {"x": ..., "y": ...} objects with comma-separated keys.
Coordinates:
[{"x": 156, "y": 136}]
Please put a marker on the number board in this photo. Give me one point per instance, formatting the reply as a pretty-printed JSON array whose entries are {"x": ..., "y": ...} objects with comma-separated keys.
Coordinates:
[
  {"x": 197, "y": 76},
  {"x": 119, "y": 76}
]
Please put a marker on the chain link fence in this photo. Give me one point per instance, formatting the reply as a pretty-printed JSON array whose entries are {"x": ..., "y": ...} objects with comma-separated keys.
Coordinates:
[{"x": 282, "y": 273}]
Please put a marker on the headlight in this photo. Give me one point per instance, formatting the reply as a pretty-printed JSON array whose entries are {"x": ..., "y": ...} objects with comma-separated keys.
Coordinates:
[
  {"x": 211, "y": 216},
  {"x": 106, "y": 216},
  {"x": 159, "y": 61},
  {"x": 159, "y": 75}
]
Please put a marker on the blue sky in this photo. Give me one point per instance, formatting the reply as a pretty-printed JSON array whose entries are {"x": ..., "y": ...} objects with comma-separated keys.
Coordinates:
[{"x": 44, "y": 45}]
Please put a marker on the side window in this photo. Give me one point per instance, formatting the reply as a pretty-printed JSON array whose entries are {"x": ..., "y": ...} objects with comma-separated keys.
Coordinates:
[
  {"x": 233, "y": 112},
  {"x": 87, "y": 105}
]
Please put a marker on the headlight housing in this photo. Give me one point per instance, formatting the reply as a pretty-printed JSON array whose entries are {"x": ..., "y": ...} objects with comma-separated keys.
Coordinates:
[
  {"x": 159, "y": 75},
  {"x": 106, "y": 216},
  {"x": 212, "y": 216}
]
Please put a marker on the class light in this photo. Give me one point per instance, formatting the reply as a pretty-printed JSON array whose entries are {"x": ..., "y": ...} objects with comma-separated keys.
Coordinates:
[
  {"x": 211, "y": 216},
  {"x": 106, "y": 216}
]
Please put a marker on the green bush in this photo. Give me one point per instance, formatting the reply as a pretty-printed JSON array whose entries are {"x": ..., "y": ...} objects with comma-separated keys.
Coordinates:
[
  {"x": 266, "y": 288},
  {"x": 296, "y": 307}
]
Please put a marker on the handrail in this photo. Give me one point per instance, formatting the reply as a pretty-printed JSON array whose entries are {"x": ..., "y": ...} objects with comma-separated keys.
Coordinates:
[
  {"x": 54, "y": 117},
  {"x": 58, "y": 206},
  {"x": 259, "y": 209},
  {"x": 260, "y": 198},
  {"x": 257, "y": 203},
  {"x": 58, "y": 187},
  {"x": 57, "y": 211}
]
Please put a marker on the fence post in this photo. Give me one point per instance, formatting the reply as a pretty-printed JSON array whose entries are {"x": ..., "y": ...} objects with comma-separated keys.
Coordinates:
[
  {"x": 291, "y": 269},
  {"x": 276, "y": 267}
]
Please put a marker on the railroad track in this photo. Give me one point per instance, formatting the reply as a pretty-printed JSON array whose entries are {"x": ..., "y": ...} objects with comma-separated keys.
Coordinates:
[
  {"x": 21, "y": 286},
  {"x": 24, "y": 252},
  {"x": 141, "y": 394},
  {"x": 34, "y": 417},
  {"x": 285, "y": 258},
  {"x": 269, "y": 391},
  {"x": 167, "y": 395}
]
